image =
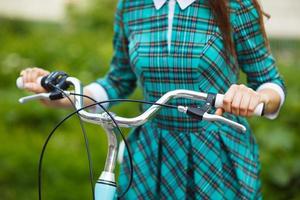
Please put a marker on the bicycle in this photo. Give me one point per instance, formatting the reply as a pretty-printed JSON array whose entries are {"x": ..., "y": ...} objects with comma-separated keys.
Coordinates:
[{"x": 57, "y": 84}]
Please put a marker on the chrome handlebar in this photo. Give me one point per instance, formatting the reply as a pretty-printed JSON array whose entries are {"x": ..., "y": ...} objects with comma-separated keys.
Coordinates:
[{"x": 103, "y": 118}]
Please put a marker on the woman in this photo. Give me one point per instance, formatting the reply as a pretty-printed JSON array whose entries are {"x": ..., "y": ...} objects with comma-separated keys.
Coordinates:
[{"x": 197, "y": 45}]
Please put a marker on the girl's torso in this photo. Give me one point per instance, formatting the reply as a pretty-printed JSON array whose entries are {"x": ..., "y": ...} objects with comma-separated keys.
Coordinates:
[{"x": 194, "y": 60}]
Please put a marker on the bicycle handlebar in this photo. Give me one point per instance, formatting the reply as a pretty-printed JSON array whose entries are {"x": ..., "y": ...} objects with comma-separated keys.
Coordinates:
[
  {"x": 144, "y": 117},
  {"x": 107, "y": 176},
  {"x": 194, "y": 95}
]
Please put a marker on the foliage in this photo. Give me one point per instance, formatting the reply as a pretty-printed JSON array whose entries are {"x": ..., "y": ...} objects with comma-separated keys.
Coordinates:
[
  {"x": 279, "y": 140},
  {"x": 81, "y": 45}
]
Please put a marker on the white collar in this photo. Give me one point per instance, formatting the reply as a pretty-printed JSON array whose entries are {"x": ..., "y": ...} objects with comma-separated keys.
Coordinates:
[{"x": 183, "y": 4}]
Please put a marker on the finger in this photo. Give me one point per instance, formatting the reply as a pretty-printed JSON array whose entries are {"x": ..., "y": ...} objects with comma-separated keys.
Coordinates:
[
  {"x": 29, "y": 86},
  {"x": 41, "y": 72},
  {"x": 36, "y": 73},
  {"x": 26, "y": 76},
  {"x": 219, "y": 111},
  {"x": 255, "y": 100},
  {"x": 245, "y": 103},
  {"x": 229, "y": 97},
  {"x": 235, "y": 106},
  {"x": 33, "y": 87},
  {"x": 32, "y": 76}
]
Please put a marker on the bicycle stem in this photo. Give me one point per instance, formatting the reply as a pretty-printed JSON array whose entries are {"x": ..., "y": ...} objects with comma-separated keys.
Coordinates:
[
  {"x": 104, "y": 120},
  {"x": 112, "y": 148}
]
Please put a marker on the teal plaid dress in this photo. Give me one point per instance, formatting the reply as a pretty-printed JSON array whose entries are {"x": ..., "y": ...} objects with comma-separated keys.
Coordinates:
[{"x": 175, "y": 156}]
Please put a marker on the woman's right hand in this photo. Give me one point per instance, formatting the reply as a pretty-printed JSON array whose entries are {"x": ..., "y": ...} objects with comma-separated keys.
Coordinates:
[{"x": 30, "y": 78}]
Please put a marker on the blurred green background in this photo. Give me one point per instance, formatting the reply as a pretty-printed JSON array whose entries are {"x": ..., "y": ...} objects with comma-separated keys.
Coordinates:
[{"x": 82, "y": 46}]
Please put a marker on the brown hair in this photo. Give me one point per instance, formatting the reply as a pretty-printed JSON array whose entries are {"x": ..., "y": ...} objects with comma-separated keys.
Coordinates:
[{"x": 221, "y": 12}]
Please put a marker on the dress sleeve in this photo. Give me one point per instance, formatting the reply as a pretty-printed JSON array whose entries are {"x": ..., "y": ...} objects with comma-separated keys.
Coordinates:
[
  {"x": 253, "y": 54},
  {"x": 120, "y": 81}
]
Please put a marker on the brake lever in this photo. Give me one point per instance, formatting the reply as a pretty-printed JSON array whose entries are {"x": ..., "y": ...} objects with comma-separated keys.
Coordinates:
[
  {"x": 34, "y": 97},
  {"x": 233, "y": 124},
  {"x": 201, "y": 114},
  {"x": 44, "y": 96}
]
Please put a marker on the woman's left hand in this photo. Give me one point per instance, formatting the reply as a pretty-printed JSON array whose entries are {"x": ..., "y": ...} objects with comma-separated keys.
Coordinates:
[{"x": 241, "y": 100}]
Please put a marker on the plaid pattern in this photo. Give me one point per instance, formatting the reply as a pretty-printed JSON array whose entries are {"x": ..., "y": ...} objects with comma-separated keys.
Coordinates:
[{"x": 174, "y": 156}]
